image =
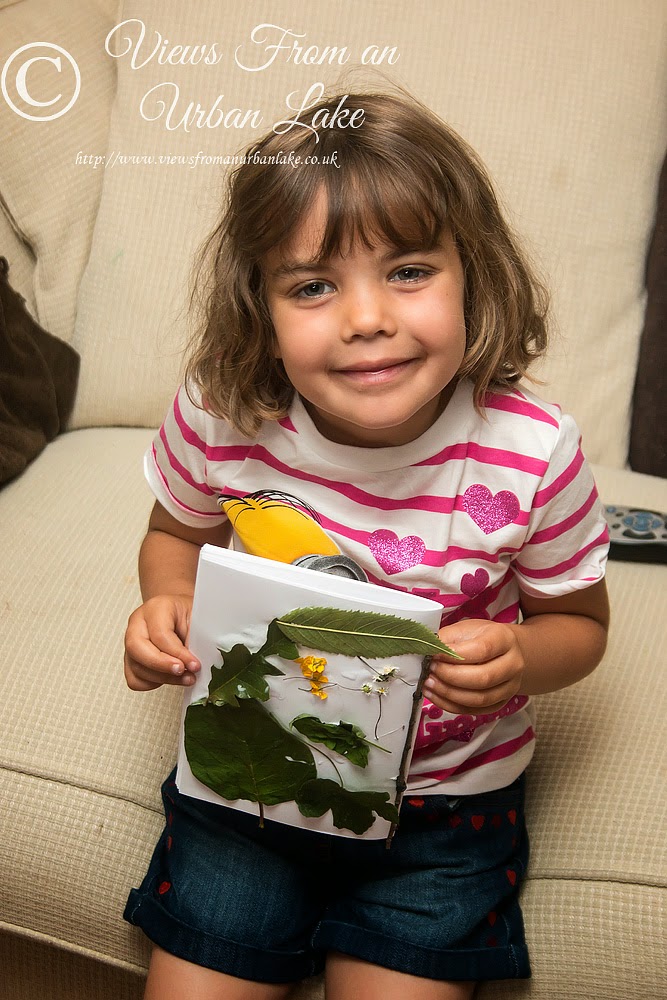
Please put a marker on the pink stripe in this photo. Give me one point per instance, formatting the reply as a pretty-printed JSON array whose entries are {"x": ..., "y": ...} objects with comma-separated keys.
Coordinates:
[
  {"x": 438, "y": 505},
  {"x": 520, "y": 406},
  {"x": 179, "y": 468},
  {"x": 229, "y": 453},
  {"x": 446, "y": 600},
  {"x": 453, "y": 452},
  {"x": 431, "y": 557},
  {"x": 544, "y": 496},
  {"x": 286, "y": 422},
  {"x": 223, "y": 453},
  {"x": 451, "y": 602},
  {"x": 556, "y": 530},
  {"x": 541, "y": 574},
  {"x": 187, "y": 433},
  {"x": 426, "y": 502},
  {"x": 179, "y": 503},
  {"x": 488, "y": 456},
  {"x": 500, "y": 752}
]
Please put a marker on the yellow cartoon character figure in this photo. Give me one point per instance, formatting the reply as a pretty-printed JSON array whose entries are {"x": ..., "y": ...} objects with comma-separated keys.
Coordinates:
[{"x": 278, "y": 526}]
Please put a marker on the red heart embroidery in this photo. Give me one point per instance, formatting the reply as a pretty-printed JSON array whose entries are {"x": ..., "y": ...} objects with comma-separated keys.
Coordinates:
[
  {"x": 492, "y": 917},
  {"x": 471, "y": 585},
  {"x": 490, "y": 513},
  {"x": 496, "y": 821},
  {"x": 164, "y": 887},
  {"x": 396, "y": 554},
  {"x": 511, "y": 815},
  {"x": 478, "y": 822},
  {"x": 418, "y": 803},
  {"x": 455, "y": 821},
  {"x": 511, "y": 876}
]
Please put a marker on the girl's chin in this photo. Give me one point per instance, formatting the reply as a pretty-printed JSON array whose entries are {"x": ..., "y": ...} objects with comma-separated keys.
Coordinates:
[{"x": 373, "y": 430}]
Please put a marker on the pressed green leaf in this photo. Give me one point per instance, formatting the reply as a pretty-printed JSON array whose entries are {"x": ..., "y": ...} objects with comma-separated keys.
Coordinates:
[
  {"x": 277, "y": 644},
  {"x": 244, "y": 753},
  {"x": 359, "y": 633},
  {"x": 350, "y": 810},
  {"x": 343, "y": 738},
  {"x": 242, "y": 675}
]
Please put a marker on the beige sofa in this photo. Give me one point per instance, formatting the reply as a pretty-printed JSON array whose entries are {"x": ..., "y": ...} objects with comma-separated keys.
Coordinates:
[{"x": 565, "y": 103}]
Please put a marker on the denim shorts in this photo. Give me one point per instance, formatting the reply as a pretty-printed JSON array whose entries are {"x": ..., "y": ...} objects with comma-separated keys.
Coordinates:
[{"x": 267, "y": 904}]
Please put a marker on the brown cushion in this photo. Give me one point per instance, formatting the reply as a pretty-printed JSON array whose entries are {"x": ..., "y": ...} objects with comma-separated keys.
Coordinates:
[
  {"x": 38, "y": 379},
  {"x": 648, "y": 435}
]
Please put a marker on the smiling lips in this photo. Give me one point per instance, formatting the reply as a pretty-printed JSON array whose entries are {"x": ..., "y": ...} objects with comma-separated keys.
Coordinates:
[{"x": 374, "y": 372}]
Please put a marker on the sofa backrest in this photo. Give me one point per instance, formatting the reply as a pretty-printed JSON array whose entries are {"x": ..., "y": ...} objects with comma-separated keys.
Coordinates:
[{"x": 564, "y": 102}]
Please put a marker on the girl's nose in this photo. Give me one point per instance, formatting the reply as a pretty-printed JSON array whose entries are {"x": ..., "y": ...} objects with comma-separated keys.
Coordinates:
[{"x": 367, "y": 314}]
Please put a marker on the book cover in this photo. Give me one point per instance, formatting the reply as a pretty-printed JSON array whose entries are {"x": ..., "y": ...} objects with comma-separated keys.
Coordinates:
[{"x": 302, "y": 710}]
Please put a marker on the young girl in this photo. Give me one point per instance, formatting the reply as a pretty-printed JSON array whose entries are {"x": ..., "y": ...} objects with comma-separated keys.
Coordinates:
[{"x": 368, "y": 318}]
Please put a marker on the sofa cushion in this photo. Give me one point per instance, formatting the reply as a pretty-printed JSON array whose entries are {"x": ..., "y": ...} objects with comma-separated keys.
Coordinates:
[
  {"x": 566, "y": 107},
  {"x": 51, "y": 198},
  {"x": 33, "y": 969},
  {"x": 82, "y": 757},
  {"x": 38, "y": 376},
  {"x": 81, "y": 794}
]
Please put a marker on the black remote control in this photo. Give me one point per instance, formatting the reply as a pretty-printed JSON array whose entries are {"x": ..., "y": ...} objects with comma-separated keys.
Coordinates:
[{"x": 637, "y": 535}]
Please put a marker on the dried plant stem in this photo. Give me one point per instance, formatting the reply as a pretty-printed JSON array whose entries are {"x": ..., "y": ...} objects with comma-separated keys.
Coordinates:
[{"x": 402, "y": 779}]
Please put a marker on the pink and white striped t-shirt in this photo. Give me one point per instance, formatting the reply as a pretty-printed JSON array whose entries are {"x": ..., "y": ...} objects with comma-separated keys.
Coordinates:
[{"x": 467, "y": 515}]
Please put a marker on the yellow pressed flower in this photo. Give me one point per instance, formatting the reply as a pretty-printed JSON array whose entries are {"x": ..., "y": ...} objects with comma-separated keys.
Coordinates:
[{"x": 312, "y": 668}]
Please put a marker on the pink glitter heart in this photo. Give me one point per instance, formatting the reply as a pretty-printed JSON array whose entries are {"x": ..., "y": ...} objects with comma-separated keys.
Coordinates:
[
  {"x": 396, "y": 554},
  {"x": 490, "y": 513},
  {"x": 471, "y": 585}
]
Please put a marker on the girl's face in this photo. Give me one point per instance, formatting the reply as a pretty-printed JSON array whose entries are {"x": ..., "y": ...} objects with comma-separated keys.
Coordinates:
[{"x": 371, "y": 340}]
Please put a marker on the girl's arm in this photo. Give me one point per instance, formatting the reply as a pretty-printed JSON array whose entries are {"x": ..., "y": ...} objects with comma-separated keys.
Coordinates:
[
  {"x": 155, "y": 650},
  {"x": 560, "y": 641}
]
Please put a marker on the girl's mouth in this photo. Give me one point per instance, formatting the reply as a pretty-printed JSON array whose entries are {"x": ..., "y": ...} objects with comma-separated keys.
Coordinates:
[{"x": 375, "y": 373}]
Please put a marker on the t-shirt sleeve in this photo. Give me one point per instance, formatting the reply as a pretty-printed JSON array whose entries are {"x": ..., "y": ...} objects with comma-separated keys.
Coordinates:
[
  {"x": 568, "y": 540},
  {"x": 175, "y": 466}
]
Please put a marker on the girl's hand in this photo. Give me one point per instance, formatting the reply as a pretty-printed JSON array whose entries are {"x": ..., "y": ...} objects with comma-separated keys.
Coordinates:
[
  {"x": 155, "y": 653},
  {"x": 490, "y": 673}
]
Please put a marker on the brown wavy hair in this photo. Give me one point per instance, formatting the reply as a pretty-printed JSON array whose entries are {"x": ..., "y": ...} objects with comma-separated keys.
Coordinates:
[{"x": 402, "y": 177}]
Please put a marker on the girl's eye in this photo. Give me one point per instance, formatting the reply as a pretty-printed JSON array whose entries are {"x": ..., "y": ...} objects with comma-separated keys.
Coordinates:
[
  {"x": 313, "y": 289},
  {"x": 406, "y": 274}
]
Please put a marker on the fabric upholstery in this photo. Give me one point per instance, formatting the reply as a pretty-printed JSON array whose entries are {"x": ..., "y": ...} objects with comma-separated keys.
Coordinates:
[
  {"x": 22, "y": 260},
  {"x": 490, "y": 70},
  {"x": 32, "y": 968},
  {"x": 51, "y": 199},
  {"x": 565, "y": 103},
  {"x": 81, "y": 758}
]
